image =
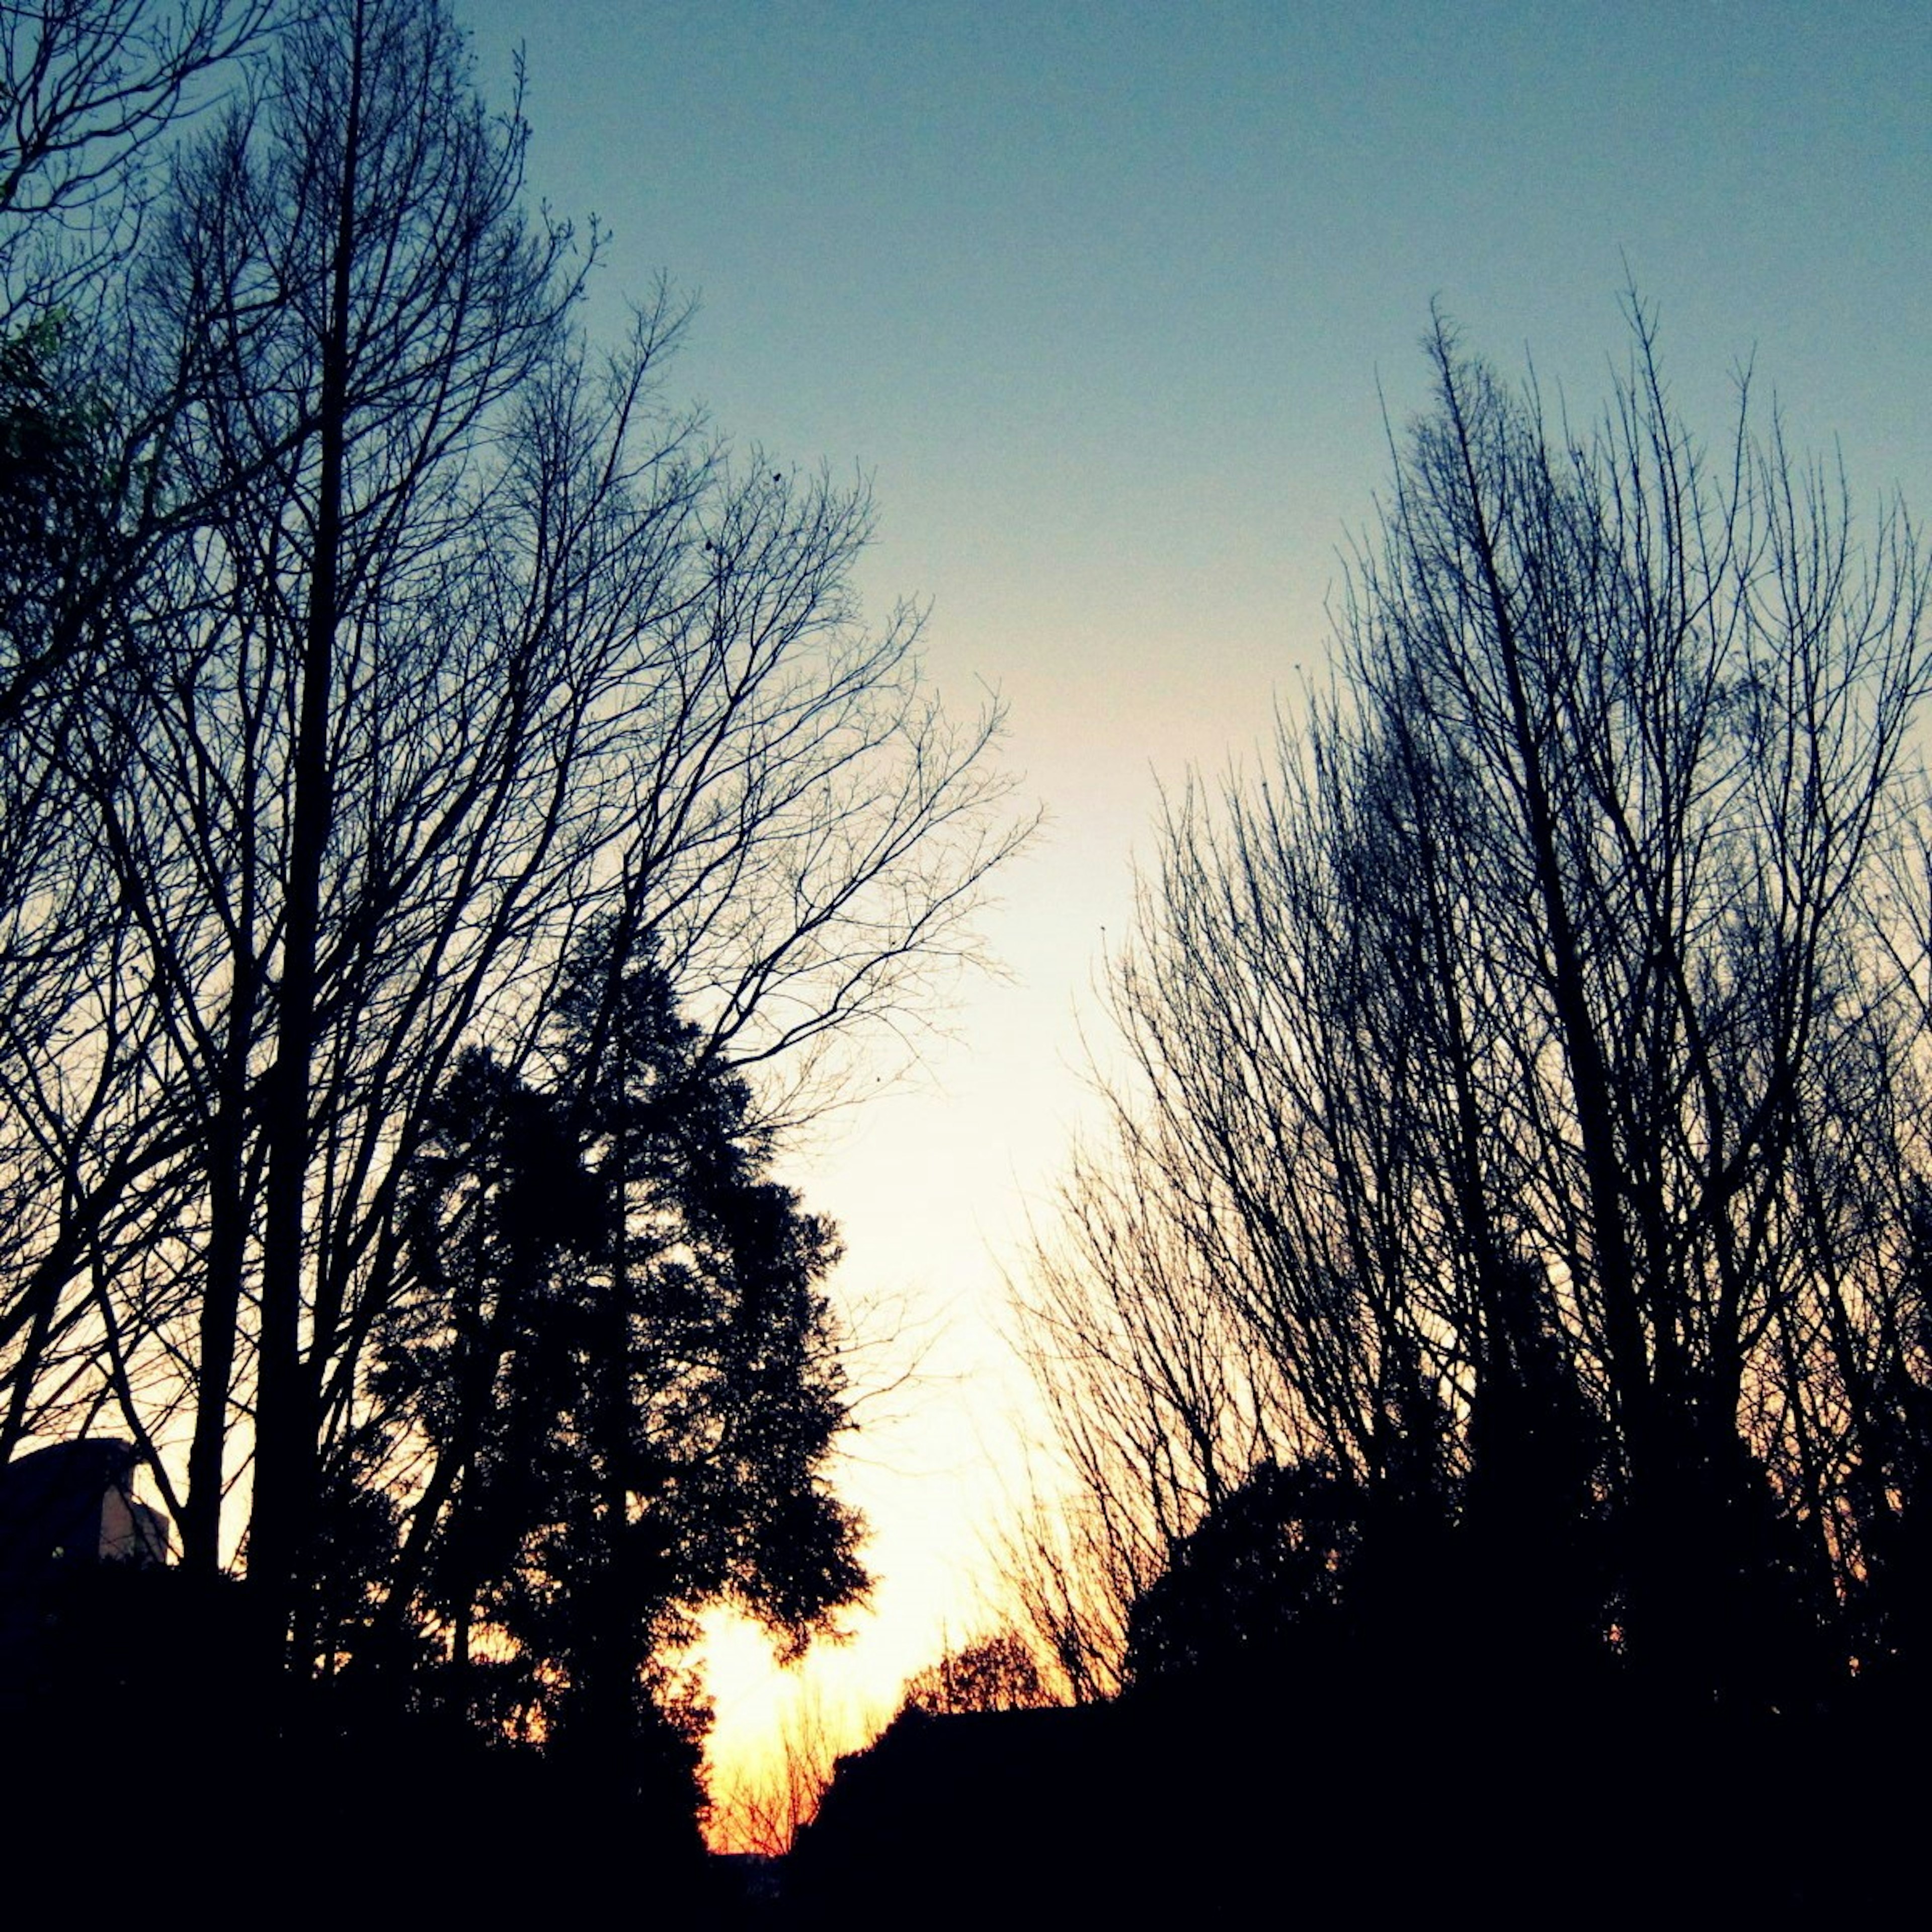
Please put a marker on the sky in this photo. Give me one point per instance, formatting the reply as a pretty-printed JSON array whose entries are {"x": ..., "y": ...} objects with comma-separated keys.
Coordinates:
[{"x": 1116, "y": 307}]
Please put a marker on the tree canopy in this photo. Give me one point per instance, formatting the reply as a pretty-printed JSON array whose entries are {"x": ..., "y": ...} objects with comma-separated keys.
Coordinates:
[{"x": 613, "y": 1354}]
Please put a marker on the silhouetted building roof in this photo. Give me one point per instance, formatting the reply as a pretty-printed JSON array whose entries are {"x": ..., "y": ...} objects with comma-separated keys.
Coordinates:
[
  {"x": 73, "y": 1502},
  {"x": 64, "y": 1511}
]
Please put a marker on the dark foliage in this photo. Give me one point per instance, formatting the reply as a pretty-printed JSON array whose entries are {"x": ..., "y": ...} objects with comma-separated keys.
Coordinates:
[
  {"x": 616, "y": 1361},
  {"x": 1261, "y": 1584},
  {"x": 998, "y": 1673}
]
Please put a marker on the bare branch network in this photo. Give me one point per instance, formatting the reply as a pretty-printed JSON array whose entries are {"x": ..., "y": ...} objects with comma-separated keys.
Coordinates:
[
  {"x": 381, "y": 664},
  {"x": 1515, "y": 1193}
]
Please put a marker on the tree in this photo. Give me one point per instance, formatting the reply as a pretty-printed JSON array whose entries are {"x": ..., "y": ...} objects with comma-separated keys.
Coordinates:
[
  {"x": 1268, "y": 1568},
  {"x": 617, "y": 1357},
  {"x": 1160, "y": 1395},
  {"x": 996, "y": 1672},
  {"x": 765, "y": 1807},
  {"x": 464, "y": 645},
  {"x": 1522, "y": 1063},
  {"x": 87, "y": 88}
]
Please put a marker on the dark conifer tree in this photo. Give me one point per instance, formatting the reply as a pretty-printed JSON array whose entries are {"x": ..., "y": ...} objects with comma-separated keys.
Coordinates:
[{"x": 618, "y": 1360}]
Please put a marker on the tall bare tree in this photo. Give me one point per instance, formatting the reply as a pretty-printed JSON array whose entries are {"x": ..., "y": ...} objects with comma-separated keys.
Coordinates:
[
  {"x": 471, "y": 641},
  {"x": 1531, "y": 1027},
  {"x": 87, "y": 90}
]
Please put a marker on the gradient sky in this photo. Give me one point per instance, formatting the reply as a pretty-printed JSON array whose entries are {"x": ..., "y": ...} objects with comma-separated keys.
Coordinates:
[{"x": 1113, "y": 303}]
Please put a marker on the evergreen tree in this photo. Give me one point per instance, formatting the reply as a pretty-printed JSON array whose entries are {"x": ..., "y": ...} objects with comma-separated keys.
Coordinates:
[{"x": 619, "y": 1358}]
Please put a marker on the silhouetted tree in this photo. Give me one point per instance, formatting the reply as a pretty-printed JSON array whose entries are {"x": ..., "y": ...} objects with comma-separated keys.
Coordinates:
[
  {"x": 453, "y": 642},
  {"x": 1536, "y": 1570},
  {"x": 1890, "y": 1484},
  {"x": 1521, "y": 1065},
  {"x": 617, "y": 1358},
  {"x": 87, "y": 89},
  {"x": 1261, "y": 1584},
  {"x": 766, "y": 1802},
  {"x": 998, "y": 1673},
  {"x": 88, "y": 400},
  {"x": 88, "y": 501}
]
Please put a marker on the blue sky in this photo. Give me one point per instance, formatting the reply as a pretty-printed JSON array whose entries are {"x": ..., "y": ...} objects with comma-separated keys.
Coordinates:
[{"x": 1115, "y": 305}]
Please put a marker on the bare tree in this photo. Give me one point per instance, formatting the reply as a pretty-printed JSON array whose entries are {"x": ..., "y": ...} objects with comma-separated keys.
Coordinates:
[
  {"x": 1529, "y": 1024},
  {"x": 766, "y": 1805},
  {"x": 474, "y": 642},
  {"x": 88, "y": 400},
  {"x": 1160, "y": 1397},
  {"x": 87, "y": 88}
]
